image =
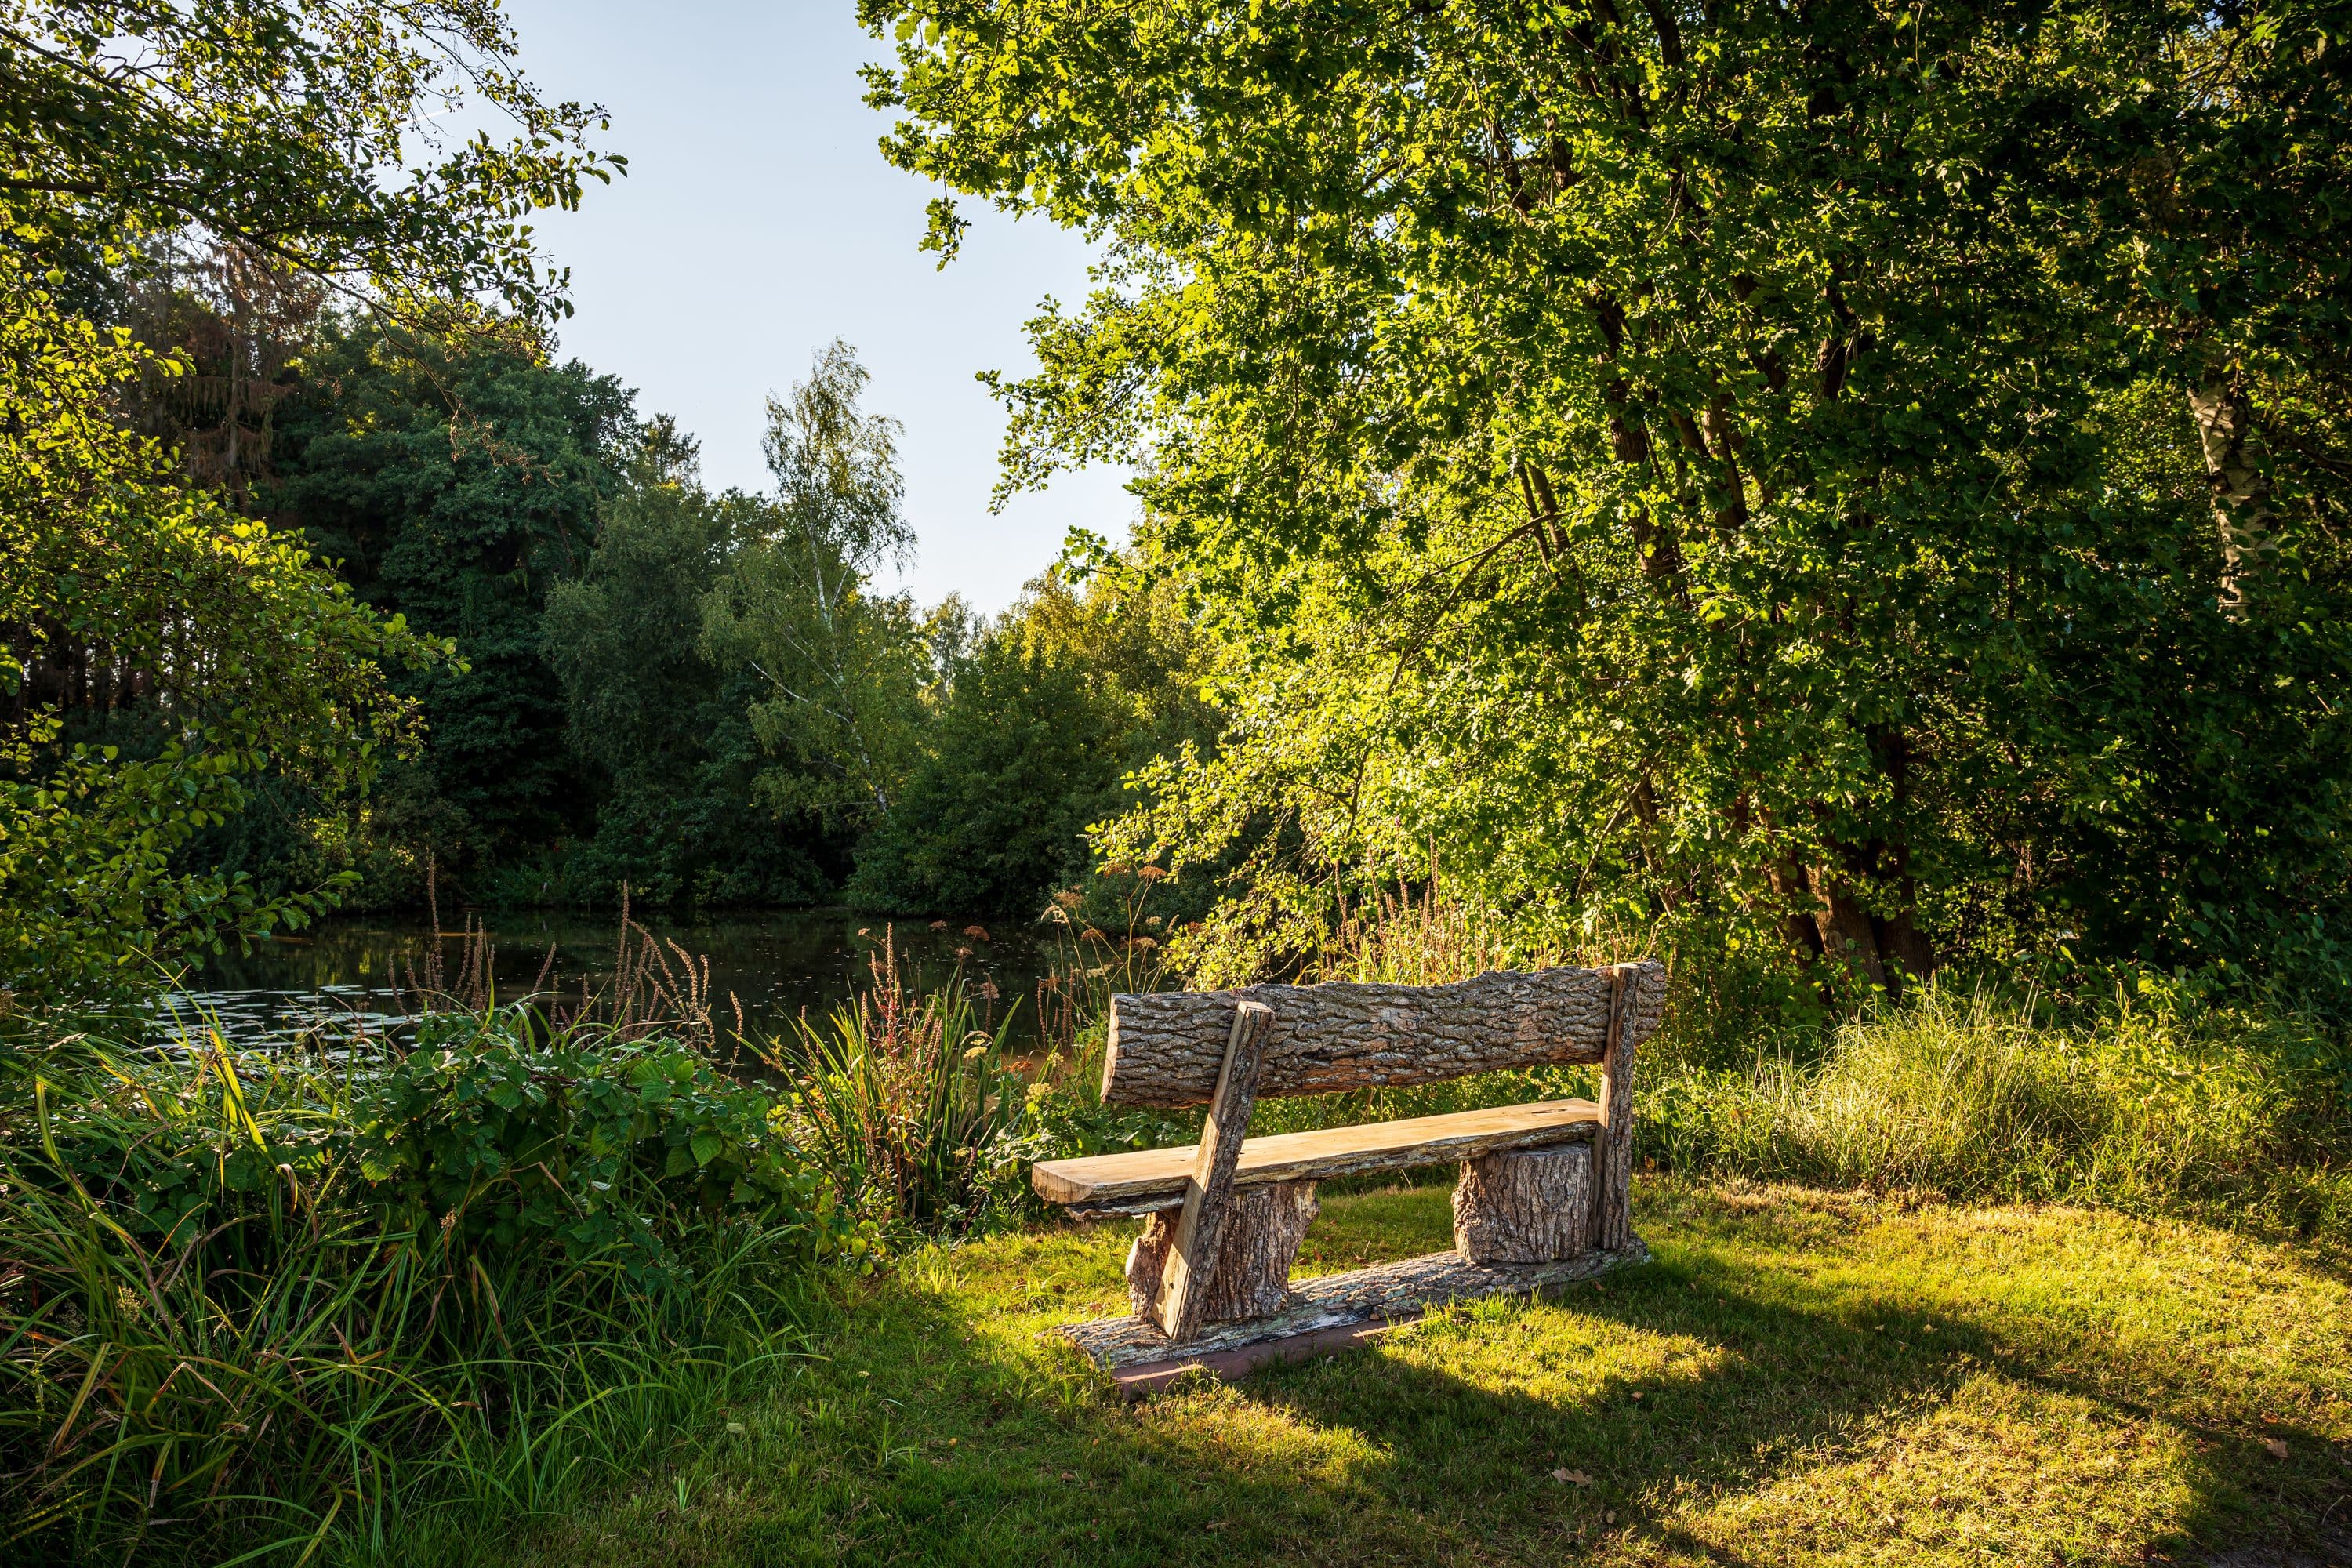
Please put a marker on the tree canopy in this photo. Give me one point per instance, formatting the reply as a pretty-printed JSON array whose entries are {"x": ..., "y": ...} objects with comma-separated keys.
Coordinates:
[
  {"x": 305, "y": 135},
  {"x": 1871, "y": 472}
]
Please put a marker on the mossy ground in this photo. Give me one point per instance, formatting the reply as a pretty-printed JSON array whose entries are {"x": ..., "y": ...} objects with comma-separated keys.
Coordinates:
[{"x": 1799, "y": 1377}]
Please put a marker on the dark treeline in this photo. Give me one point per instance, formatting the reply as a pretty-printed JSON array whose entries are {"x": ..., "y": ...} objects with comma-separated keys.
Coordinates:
[{"x": 704, "y": 697}]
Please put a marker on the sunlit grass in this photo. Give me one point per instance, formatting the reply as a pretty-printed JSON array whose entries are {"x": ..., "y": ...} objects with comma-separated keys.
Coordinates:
[{"x": 1799, "y": 1377}]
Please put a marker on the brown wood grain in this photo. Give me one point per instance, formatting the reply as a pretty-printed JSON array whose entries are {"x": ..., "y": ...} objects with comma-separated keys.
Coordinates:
[
  {"x": 1188, "y": 1278},
  {"x": 1150, "y": 1178},
  {"x": 1168, "y": 1047},
  {"x": 1612, "y": 1186},
  {"x": 1527, "y": 1205},
  {"x": 1254, "y": 1257}
]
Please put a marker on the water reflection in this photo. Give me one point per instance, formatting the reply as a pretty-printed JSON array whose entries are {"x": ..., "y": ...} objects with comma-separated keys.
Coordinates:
[{"x": 353, "y": 973}]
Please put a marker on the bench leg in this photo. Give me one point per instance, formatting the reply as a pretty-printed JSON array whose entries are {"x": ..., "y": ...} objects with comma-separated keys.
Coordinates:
[
  {"x": 1254, "y": 1252},
  {"x": 1532, "y": 1206}
]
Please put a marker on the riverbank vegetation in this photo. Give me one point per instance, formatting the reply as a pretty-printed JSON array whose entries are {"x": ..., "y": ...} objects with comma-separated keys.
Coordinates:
[
  {"x": 377, "y": 1300},
  {"x": 1850, "y": 502}
]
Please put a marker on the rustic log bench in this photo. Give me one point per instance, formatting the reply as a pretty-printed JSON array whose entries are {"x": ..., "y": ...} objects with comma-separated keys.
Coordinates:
[{"x": 1542, "y": 1200}]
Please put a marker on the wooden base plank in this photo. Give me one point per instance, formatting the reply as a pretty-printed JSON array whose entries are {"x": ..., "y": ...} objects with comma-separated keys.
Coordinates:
[{"x": 1326, "y": 1313}]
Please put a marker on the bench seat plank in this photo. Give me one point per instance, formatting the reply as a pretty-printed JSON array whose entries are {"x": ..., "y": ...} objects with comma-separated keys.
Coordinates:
[{"x": 1148, "y": 1174}]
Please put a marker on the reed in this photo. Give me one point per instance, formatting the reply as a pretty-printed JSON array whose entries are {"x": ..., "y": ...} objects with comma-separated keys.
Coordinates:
[{"x": 902, "y": 1097}]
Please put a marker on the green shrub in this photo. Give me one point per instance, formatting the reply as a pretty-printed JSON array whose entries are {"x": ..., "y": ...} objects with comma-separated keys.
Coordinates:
[
  {"x": 584, "y": 1142},
  {"x": 251, "y": 1299},
  {"x": 901, "y": 1097}
]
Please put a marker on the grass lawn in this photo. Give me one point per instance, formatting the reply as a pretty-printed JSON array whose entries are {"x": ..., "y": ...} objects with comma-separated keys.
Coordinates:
[{"x": 1799, "y": 1377}]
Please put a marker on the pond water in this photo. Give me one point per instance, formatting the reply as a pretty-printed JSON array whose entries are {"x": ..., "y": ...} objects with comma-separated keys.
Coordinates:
[{"x": 776, "y": 964}]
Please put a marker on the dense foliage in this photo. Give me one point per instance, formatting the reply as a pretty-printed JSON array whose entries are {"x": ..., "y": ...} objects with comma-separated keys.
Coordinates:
[
  {"x": 511, "y": 1261},
  {"x": 574, "y": 1145},
  {"x": 289, "y": 130},
  {"x": 1060, "y": 699},
  {"x": 668, "y": 728},
  {"x": 457, "y": 489},
  {"x": 1873, "y": 474}
]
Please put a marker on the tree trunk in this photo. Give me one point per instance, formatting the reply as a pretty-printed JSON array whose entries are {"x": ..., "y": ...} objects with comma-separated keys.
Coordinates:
[
  {"x": 1848, "y": 936},
  {"x": 1868, "y": 902},
  {"x": 1254, "y": 1252},
  {"x": 1529, "y": 1206},
  {"x": 2241, "y": 492}
]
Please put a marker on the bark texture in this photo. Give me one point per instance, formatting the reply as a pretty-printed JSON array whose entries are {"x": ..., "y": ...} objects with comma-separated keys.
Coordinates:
[
  {"x": 1612, "y": 1186},
  {"x": 1530, "y": 1207},
  {"x": 1251, "y": 1278},
  {"x": 1187, "y": 1278},
  {"x": 2242, "y": 491},
  {"x": 1167, "y": 1048}
]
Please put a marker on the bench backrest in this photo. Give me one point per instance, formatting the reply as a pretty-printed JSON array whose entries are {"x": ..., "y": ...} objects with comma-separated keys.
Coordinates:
[{"x": 1167, "y": 1048}]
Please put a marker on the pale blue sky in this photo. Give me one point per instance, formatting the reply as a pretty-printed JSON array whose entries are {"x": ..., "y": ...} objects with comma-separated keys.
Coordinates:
[{"x": 758, "y": 221}]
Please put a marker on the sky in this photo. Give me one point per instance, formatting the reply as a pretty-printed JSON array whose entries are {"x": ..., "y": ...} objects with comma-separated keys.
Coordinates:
[{"x": 758, "y": 221}]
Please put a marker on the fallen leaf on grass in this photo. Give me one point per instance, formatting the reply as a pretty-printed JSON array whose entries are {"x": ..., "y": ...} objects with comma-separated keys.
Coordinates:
[
  {"x": 2277, "y": 1446},
  {"x": 1573, "y": 1477}
]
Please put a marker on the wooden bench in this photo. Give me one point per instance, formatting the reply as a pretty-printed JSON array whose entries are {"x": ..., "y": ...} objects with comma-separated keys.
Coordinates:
[{"x": 1542, "y": 1200}]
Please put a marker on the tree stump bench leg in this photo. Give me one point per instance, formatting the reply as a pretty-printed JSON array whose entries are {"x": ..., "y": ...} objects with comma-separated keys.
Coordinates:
[
  {"x": 1259, "y": 1244},
  {"x": 1531, "y": 1206}
]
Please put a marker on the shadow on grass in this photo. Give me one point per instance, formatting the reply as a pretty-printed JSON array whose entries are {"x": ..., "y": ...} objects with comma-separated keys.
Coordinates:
[{"x": 1775, "y": 1387}]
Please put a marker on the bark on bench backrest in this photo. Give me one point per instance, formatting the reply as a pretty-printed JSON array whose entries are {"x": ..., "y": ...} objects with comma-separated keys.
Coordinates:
[{"x": 1167, "y": 1048}]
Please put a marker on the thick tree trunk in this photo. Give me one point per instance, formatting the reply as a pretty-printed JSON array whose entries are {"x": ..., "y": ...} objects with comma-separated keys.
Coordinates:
[
  {"x": 1254, "y": 1252},
  {"x": 1531, "y": 1206},
  {"x": 1866, "y": 909},
  {"x": 2241, "y": 492},
  {"x": 1848, "y": 936}
]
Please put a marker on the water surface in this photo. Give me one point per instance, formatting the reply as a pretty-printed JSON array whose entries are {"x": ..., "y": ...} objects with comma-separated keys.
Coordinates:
[{"x": 776, "y": 965}]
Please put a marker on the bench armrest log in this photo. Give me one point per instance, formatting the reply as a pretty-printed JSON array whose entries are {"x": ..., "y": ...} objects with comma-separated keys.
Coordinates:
[
  {"x": 1167, "y": 1048},
  {"x": 1188, "y": 1276}
]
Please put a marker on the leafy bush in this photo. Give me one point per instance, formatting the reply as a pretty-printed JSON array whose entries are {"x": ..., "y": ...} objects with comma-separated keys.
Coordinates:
[{"x": 586, "y": 1141}]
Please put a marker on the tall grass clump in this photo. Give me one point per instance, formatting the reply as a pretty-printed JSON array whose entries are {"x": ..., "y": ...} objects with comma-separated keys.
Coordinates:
[
  {"x": 298, "y": 1307},
  {"x": 901, "y": 1097},
  {"x": 2157, "y": 1100}
]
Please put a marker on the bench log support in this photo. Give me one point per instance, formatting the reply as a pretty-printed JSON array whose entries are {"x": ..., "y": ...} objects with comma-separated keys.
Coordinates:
[
  {"x": 1252, "y": 1279},
  {"x": 1188, "y": 1279},
  {"x": 1544, "y": 1199},
  {"x": 1612, "y": 1186},
  {"x": 1534, "y": 1207}
]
